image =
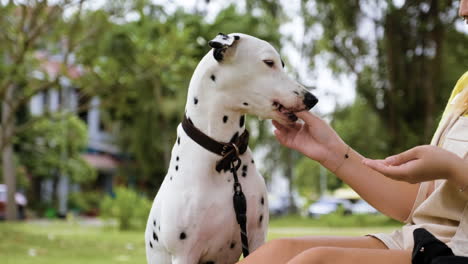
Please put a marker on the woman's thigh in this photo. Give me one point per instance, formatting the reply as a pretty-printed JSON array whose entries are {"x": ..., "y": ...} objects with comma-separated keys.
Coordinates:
[
  {"x": 284, "y": 249},
  {"x": 340, "y": 255}
]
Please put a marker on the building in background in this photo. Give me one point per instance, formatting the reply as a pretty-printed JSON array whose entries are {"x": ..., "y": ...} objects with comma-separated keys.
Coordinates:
[{"x": 101, "y": 152}]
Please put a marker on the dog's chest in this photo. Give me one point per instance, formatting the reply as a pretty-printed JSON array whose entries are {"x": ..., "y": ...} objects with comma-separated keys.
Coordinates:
[{"x": 195, "y": 203}]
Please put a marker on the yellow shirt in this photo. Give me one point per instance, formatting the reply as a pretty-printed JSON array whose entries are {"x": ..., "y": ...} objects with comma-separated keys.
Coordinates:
[{"x": 461, "y": 84}]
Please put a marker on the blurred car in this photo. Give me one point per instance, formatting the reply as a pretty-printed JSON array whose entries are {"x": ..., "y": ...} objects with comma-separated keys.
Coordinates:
[
  {"x": 278, "y": 205},
  {"x": 362, "y": 207},
  {"x": 327, "y": 205},
  {"x": 20, "y": 200}
]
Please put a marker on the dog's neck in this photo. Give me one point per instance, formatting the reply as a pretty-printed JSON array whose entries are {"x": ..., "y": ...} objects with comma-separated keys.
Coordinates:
[
  {"x": 214, "y": 119},
  {"x": 208, "y": 111}
]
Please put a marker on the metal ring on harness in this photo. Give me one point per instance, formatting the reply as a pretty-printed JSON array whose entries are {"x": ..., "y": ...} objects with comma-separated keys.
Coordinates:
[{"x": 237, "y": 149}]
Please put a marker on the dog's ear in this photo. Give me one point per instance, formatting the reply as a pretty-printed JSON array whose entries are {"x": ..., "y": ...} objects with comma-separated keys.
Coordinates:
[{"x": 221, "y": 44}]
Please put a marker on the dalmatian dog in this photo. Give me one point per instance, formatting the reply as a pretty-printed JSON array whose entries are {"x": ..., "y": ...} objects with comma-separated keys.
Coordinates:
[{"x": 192, "y": 219}]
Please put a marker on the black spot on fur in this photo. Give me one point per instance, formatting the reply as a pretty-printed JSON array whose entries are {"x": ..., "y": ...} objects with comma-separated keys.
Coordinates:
[
  {"x": 234, "y": 137},
  {"x": 177, "y": 167},
  {"x": 244, "y": 174},
  {"x": 195, "y": 100},
  {"x": 177, "y": 158},
  {"x": 151, "y": 245},
  {"x": 155, "y": 237},
  {"x": 262, "y": 201},
  {"x": 282, "y": 63},
  {"x": 170, "y": 178},
  {"x": 233, "y": 244},
  {"x": 242, "y": 121},
  {"x": 261, "y": 219},
  {"x": 296, "y": 92},
  {"x": 244, "y": 168},
  {"x": 236, "y": 37},
  {"x": 182, "y": 236},
  {"x": 244, "y": 103},
  {"x": 213, "y": 77},
  {"x": 209, "y": 262},
  {"x": 253, "y": 161},
  {"x": 154, "y": 223},
  {"x": 225, "y": 119},
  {"x": 178, "y": 140}
]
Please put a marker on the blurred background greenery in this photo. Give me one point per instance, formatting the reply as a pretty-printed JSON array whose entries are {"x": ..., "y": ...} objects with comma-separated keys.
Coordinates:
[{"x": 92, "y": 93}]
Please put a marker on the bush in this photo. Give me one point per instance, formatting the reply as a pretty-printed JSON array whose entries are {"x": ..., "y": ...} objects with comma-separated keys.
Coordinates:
[
  {"x": 128, "y": 208},
  {"x": 85, "y": 202}
]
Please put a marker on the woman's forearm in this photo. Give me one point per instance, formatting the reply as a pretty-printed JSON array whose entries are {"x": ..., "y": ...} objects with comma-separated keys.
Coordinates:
[{"x": 393, "y": 198}]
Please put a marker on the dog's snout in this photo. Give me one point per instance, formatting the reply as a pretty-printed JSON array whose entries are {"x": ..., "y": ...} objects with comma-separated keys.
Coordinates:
[{"x": 310, "y": 100}]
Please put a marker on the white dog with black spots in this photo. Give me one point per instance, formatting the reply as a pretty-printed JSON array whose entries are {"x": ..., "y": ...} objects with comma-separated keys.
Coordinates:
[{"x": 192, "y": 219}]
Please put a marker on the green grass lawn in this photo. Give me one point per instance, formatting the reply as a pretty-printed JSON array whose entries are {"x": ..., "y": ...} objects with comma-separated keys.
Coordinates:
[{"x": 55, "y": 242}]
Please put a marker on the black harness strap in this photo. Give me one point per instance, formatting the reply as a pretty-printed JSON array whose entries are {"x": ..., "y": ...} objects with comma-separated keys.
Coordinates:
[{"x": 230, "y": 161}]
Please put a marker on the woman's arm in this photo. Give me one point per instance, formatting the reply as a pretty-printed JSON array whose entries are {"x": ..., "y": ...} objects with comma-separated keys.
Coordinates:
[
  {"x": 424, "y": 163},
  {"x": 317, "y": 140}
]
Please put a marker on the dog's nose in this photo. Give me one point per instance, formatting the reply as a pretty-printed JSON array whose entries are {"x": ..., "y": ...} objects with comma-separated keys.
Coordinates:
[
  {"x": 310, "y": 100},
  {"x": 215, "y": 44}
]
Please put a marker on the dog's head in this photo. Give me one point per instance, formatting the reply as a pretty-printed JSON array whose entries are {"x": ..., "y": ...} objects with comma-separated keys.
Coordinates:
[{"x": 249, "y": 72}]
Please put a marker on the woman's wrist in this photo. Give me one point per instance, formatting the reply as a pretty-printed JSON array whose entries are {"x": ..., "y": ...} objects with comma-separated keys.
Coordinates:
[
  {"x": 336, "y": 156},
  {"x": 459, "y": 173}
]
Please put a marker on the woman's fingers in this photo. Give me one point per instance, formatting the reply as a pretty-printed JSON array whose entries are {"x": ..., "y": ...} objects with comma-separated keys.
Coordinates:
[
  {"x": 308, "y": 117},
  {"x": 403, "y": 157},
  {"x": 279, "y": 126},
  {"x": 382, "y": 167},
  {"x": 404, "y": 172}
]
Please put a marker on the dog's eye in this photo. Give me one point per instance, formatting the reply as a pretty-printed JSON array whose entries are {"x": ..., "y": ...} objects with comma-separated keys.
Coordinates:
[{"x": 269, "y": 63}]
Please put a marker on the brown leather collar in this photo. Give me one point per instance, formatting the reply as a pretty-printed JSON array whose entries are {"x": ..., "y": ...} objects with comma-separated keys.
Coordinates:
[{"x": 230, "y": 152}]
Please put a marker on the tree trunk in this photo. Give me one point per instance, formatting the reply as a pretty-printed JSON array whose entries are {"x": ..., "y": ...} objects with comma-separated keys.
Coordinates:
[{"x": 8, "y": 163}]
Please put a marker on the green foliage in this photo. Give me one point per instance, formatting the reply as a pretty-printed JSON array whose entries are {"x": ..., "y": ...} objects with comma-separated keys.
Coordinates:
[
  {"x": 54, "y": 145},
  {"x": 405, "y": 63},
  {"x": 141, "y": 70},
  {"x": 362, "y": 128},
  {"x": 307, "y": 178},
  {"x": 86, "y": 202},
  {"x": 129, "y": 208},
  {"x": 307, "y": 174}
]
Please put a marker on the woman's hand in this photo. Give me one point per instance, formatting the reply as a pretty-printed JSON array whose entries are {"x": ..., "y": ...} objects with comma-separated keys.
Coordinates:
[
  {"x": 315, "y": 139},
  {"x": 419, "y": 164}
]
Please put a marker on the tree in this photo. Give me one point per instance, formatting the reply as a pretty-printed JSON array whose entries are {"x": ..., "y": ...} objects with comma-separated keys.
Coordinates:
[
  {"x": 144, "y": 67},
  {"x": 31, "y": 29},
  {"x": 404, "y": 62},
  {"x": 43, "y": 145}
]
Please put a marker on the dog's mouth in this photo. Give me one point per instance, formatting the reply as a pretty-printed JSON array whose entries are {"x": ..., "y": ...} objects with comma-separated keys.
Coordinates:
[{"x": 287, "y": 113}]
